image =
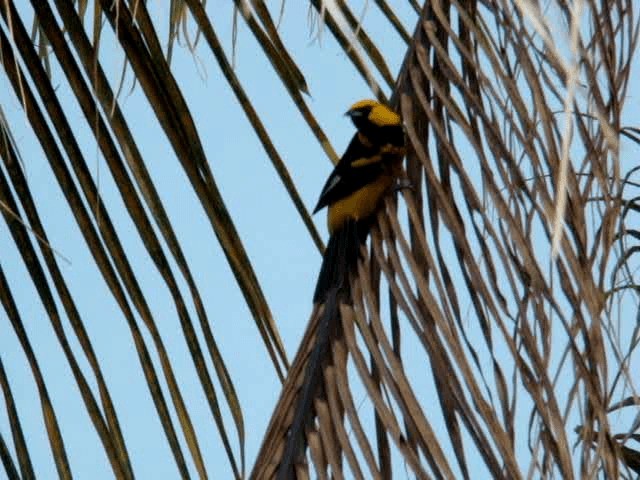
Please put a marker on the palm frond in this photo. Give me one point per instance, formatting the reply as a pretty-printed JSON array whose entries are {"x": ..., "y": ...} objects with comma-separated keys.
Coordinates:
[
  {"x": 495, "y": 311},
  {"x": 490, "y": 113}
]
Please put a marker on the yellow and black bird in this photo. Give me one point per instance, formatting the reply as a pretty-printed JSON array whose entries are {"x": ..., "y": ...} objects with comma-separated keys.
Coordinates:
[
  {"x": 353, "y": 194},
  {"x": 355, "y": 189}
]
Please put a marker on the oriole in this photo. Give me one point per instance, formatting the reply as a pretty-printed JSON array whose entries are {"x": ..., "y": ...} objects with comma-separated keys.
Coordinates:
[{"x": 354, "y": 190}]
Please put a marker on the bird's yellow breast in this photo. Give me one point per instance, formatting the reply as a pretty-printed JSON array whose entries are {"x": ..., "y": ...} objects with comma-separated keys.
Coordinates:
[{"x": 360, "y": 204}]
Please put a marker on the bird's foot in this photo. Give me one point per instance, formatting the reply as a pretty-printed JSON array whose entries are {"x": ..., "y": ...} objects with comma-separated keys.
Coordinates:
[{"x": 402, "y": 184}]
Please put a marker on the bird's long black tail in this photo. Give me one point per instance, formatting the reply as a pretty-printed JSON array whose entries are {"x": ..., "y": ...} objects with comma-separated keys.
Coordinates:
[{"x": 340, "y": 258}]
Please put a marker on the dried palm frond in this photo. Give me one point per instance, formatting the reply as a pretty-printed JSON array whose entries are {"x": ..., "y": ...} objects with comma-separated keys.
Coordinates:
[
  {"x": 500, "y": 272},
  {"x": 496, "y": 308}
]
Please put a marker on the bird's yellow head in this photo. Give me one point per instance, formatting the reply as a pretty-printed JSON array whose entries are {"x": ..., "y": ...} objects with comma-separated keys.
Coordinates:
[
  {"x": 374, "y": 113},
  {"x": 377, "y": 124}
]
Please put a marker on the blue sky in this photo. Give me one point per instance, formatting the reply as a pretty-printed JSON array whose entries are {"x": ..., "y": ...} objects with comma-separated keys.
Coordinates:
[{"x": 283, "y": 255}]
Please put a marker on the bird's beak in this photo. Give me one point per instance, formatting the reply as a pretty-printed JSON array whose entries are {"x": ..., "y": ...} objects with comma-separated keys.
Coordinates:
[{"x": 353, "y": 113}]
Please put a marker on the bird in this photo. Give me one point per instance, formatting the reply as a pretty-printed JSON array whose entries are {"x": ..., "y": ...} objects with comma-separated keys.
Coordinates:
[
  {"x": 354, "y": 191},
  {"x": 353, "y": 194}
]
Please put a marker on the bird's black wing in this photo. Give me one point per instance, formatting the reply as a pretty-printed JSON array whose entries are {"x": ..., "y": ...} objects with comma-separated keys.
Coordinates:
[{"x": 359, "y": 166}]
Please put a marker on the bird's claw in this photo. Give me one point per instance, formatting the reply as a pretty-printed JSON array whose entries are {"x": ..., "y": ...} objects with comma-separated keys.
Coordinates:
[{"x": 402, "y": 184}]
